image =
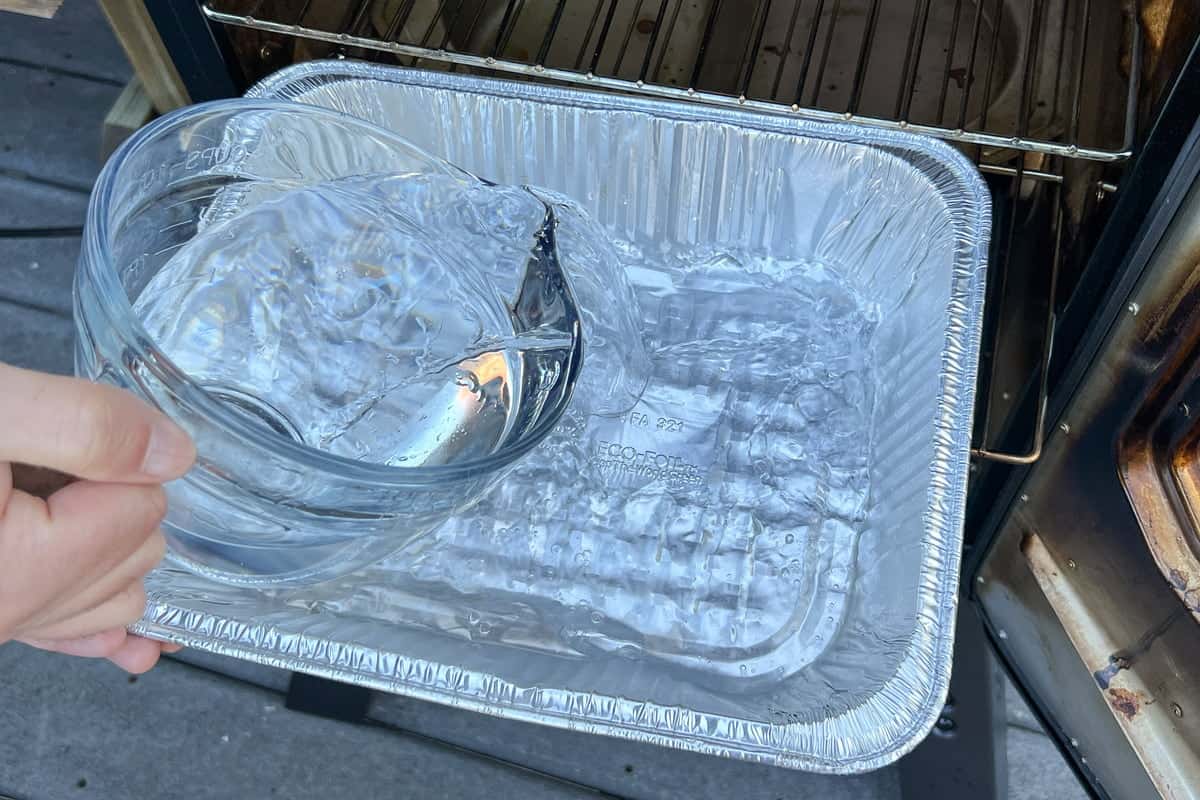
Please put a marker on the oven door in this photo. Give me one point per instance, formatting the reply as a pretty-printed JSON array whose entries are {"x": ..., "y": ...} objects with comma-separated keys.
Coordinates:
[{"x": 1087, "y": 567}]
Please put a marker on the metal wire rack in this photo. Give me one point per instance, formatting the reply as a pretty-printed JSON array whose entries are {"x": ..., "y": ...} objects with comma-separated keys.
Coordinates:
[
  {"x": 998, "y": 75},
  {"x": 1007, "y": 80}
]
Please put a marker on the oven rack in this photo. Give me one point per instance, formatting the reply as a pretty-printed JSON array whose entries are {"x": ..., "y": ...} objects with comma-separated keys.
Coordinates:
[{"x": 943, "y": 80}]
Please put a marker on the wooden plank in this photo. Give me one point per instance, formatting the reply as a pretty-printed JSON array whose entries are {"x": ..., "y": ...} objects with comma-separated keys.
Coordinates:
[
  {"x": 30, "y": 205},
  {"x": 79, "y": 728},
  {"x": 77, "y": 41},
  {"x": 146, "y": 52},
  {"x": 34, "y": 8},
  {"x": 38, "y": 273},
  {"x": 36, "y": 340},
  {"x": 131, "y": 111},
  {"x": 51, "y": 126}
]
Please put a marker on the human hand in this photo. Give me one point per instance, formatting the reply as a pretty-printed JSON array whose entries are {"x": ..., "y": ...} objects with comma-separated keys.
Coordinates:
[{"x": 72, "y": 564}]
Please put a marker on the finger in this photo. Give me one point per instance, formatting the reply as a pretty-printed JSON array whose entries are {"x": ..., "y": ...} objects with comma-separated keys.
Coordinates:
[
  {"x": 86, "y": 429},
  {"x": 136, "y": 655},
  {"x": 80, "y": 534},
  {"x": 120, "y": 611},
  {"x": 98, "y": 645},
  {"x": 132, "y": 569},
  {"x": 129, "y": 652},
  {"x": 70, "y": 542}
]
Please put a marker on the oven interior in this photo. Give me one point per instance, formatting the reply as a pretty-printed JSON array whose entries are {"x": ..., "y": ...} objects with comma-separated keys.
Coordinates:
[{"x": 1046, "y": 96}]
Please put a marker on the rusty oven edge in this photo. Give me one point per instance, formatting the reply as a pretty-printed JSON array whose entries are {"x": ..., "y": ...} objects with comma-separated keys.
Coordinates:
[
  {"x": 1157, "y": 451},
  {"x": 1131, "y": 701},
  {"x": 1168, "y": 163},
  {"x": 1164, "y": 167},
  {"x": 1111, "y": 619}
]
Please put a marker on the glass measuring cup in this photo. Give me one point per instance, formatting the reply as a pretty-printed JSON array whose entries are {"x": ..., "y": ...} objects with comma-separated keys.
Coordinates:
[{"x": 224, "y": 280}]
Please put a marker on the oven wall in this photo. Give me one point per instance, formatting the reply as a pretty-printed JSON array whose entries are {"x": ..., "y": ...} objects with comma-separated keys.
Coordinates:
[{"x": 1071, "y": 591}]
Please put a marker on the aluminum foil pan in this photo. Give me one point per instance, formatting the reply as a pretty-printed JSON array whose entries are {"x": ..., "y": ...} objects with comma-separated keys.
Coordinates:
[{"x": 761, "y": 559}]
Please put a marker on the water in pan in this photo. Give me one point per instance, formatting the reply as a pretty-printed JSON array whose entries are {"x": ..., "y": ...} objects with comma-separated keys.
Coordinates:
[
  {"x": 378, "y": 318},
  {"x": 714, "y": 525}
]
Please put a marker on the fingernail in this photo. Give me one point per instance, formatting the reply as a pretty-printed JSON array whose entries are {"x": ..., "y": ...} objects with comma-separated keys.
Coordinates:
[{"x": 170, "y": 453}]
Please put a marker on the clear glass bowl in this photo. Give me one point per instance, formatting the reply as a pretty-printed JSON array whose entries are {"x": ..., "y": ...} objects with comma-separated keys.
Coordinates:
[{"x": 210, "y": 285}]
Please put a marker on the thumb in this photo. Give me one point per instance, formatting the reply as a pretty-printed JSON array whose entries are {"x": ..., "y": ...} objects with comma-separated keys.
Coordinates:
[{"x": 88, "y": 430}]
